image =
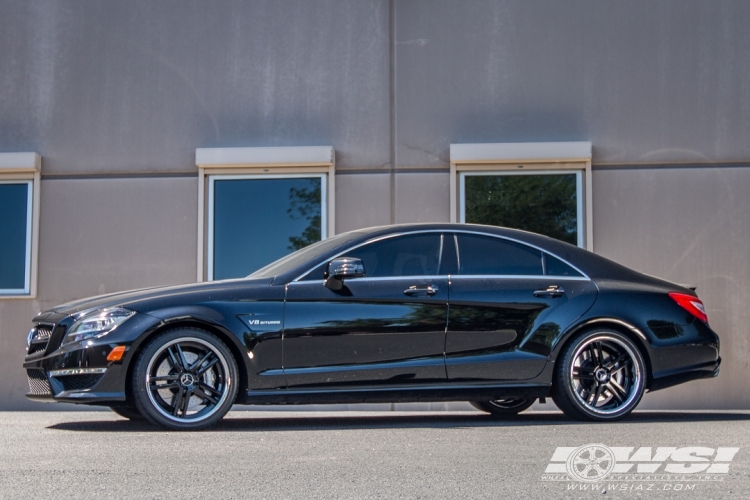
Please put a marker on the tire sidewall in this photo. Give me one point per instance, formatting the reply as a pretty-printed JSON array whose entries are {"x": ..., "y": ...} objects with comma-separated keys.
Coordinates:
[{"x": 141, "y": 396}]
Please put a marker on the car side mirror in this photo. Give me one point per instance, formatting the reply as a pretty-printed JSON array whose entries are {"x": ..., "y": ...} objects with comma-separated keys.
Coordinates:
[{"x": 343, "y": 268}]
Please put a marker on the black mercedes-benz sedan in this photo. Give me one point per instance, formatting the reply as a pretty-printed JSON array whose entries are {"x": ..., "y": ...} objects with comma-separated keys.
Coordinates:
[{"x": 428, "y": 312}]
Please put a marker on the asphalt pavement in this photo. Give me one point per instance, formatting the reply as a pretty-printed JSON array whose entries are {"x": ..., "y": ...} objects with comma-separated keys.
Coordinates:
[{"x": 428, "y": 455}]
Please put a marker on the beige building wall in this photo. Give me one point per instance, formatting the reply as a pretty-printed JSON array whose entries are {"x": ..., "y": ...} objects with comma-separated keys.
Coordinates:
[{"x": 688, "y": 225}]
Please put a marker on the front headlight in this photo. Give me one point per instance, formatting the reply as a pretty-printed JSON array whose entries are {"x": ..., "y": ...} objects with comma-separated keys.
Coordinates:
[{"x": 96, "y": 324}]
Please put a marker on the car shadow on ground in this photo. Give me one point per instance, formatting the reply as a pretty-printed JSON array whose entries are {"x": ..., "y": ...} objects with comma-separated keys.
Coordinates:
[{"x": 313, "y": 422}]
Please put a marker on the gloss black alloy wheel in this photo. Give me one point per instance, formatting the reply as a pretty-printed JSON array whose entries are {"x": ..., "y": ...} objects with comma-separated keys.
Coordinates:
[
  {"x": 601, "y": 375},
  {"x": 185, "y": 379},
  {"x": 504, "y": 407}
]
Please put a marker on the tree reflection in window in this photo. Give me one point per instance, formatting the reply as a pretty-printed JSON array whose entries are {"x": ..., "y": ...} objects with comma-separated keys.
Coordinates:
[
  {"x": 544, "y": 204},
  {"x": 305, "y": 203}
]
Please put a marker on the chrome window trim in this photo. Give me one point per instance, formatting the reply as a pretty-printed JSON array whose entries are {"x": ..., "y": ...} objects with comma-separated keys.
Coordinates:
[
  {"x": 389, "y": 278},
  {"x": 583, "y": 277},
  {"x": 521, "y": 277}
]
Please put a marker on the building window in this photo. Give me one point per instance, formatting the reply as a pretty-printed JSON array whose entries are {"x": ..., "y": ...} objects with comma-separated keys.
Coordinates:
[
  {"x": 261, "y": 204},
  {"x": 540, "y": 187},
  {"x": 19, "y": 222},
  {"x": 547, "y": 202},
  {"x": 256, "y": 219}
]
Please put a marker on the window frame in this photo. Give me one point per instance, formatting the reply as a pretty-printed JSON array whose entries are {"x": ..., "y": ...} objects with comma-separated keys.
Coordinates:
[
  {"x": 454, "y": 232},
  {"x": 230, "y": 177},
  {"x": 532, "y": 158},
  {"x": 24, "y": 168},
  {"x": 293, "y": 161}
]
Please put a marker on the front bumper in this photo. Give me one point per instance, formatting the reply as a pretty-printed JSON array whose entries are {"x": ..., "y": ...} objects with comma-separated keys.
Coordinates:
[{"x": 79, "y": 372}]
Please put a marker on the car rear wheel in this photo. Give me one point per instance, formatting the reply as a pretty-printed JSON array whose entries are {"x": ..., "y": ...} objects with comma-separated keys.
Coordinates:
[
  {"x": 185, "y": 379},
  {"x": 600, "y": 375},
  {"x": 129, "y": 412},
  {"x": 504, "y": 407}
]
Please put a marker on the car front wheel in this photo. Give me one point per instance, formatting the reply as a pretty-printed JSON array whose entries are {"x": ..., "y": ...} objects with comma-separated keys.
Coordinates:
[
  {"x": 600, "y": 375},
  {"x": 185, "y": 379}
]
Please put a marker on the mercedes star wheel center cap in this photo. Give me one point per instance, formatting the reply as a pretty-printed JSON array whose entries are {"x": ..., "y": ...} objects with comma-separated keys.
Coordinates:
[{"x": 187, "y": 379}]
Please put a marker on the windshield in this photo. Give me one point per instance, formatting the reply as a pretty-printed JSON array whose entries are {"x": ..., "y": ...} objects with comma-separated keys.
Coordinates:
[{"x": 309, "y": 253}]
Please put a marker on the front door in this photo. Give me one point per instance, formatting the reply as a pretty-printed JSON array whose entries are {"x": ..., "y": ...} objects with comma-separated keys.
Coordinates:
[{"x": 384, "y": 329}]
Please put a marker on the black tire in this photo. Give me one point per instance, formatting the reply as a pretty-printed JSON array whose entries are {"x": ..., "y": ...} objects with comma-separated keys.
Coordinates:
[
  {"x": 503, "y": 408},
  {"x": 129, "y": 412},
  {"x": 185, "y": 379},
  {"x": 599, "y": 376}
]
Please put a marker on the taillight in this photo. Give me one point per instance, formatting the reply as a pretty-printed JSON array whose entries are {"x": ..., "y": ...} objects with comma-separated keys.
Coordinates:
[{"x": 691, "y": 304}]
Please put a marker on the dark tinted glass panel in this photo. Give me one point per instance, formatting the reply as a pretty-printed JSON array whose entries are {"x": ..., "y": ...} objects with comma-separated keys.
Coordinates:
[
  {"x": 257, "y": 221},
  {"x": 13, "y": 229},
  {"x": 544, "y": 204},
  {"x": 411, "y": 255},
  {"x": 484, "y": 255},
  {"x": 556, "y": 267}
]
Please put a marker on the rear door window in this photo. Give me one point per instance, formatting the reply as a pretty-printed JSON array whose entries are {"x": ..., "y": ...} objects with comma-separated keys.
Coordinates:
[{"x": 487, "y": 255}]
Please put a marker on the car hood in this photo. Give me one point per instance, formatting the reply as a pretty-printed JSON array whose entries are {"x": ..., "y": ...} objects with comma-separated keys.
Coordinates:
[{"x": 145, "y": 299}]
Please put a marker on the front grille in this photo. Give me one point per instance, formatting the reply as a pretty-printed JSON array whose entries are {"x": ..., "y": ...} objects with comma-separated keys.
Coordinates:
[
  {"x": 35, "y": 348},
  {"x": 40, "y": 338},
  {"x": 38, "y": 382},
  {"x": 79, "y": 382}
]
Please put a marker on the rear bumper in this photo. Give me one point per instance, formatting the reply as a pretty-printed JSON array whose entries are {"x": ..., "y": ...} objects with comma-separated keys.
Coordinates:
[{"x": 705, "y": 370}]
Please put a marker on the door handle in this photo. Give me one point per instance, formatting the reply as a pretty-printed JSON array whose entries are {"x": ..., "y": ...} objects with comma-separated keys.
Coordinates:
[
  {"x": 416, "y": 291},
  {"x": 551, "y": 292}
]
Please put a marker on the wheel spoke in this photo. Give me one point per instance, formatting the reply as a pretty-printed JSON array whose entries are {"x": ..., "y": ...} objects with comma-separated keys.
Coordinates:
[
  {"x": 177, "y": 401},
  {"x": 206, "y": 368},
  {"x": 158, "y": 387},
  {"x": 593, "y": 354},
  {"x": 164, "y": 378},
  {"x": 174, "y": 359},
  {"x": 201, "y": 394},
  {"x": 209, "y": 390},
  {"x": 186, "y": 402},
  {"x": 617, "y": 390},
  {"x": 593, "y": 395},
  {"x": 183, "y": 361},
  {"x": 624, "y": 364},
  {"x": 581, "y": 374},
  {"x": 201, "y": 361},
  {"x": 599, "y": 391}
]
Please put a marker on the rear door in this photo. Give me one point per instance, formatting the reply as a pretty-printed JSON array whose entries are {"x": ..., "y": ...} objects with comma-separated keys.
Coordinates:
[
  {"x": 508, "y": 302},
  {"x": 386, "y": 328}
]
